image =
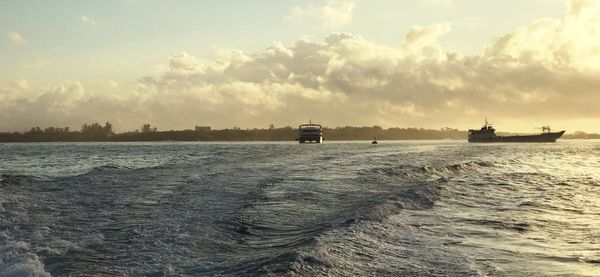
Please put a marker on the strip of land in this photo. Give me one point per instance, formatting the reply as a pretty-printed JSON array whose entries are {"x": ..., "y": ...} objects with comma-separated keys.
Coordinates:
[{"x": 105, "y": 133}]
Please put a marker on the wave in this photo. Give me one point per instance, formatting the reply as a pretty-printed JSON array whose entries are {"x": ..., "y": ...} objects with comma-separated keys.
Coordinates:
[
  {"x": 6, "y": 179},
  {"x": 520, "y": 227},
  {"x": 416, "y": 196},
  {"x": 17, "y": 258},
  {"x": 425, "y": 171},
  {"x": 111, "y": 168},
  {"x": 411, "y": 186},
  {"x": 322, "y": 256},
  {"x": 311, "y": 257},
  {"x": 9, "y": 178},
  {"x": 287, "y": 246},
  {"x": 404, "y": 187},
  {"x": 457, "y": 167},
  {"x": 314, "y": 260}
]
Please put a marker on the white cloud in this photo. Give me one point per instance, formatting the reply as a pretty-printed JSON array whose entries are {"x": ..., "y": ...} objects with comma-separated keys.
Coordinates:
[
  {"x": 542, "y": 71},
  {"x": 16, "y": 38},
  {"x": 21, "y": 84},
  {"x": 421, "y": 41},
  {"x": 87, "y": 20},
  {"x": 337, "y": 12},
  {"x": 333, "y": 13}
]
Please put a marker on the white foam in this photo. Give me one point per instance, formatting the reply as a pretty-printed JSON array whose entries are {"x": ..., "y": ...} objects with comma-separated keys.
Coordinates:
[{"x": 16, "y": 259}]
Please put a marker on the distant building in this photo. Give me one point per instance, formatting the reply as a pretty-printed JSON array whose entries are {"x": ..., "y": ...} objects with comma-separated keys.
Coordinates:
[{"x": 202, "y": 129}]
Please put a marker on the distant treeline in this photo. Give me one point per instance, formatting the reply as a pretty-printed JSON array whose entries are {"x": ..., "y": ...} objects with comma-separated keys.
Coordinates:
[
  {"x": 581, "y": 135},
  {"x": 99, "y": 132}
]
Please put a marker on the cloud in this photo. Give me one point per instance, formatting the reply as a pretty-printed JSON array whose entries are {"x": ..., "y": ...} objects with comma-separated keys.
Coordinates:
[
  {"x": 16, "y": 38},
  {"x": 26, "y": 104},
  {"x": 541, "y": 72},
  {"x": 337, "y": 13},
  {"x": 421, "y": 40},
  {"x": 334, "y": 13},
  {"x": 87, "y": 20}
]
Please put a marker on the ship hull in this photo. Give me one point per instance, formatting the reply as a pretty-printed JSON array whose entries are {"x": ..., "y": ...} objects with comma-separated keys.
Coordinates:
[
  {"x": 309, "y": 139},
  {"x": 545, "y": 137}
]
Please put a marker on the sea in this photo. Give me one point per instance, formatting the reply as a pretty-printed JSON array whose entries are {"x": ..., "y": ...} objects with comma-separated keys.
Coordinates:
[{"x": 398, "y": 208}]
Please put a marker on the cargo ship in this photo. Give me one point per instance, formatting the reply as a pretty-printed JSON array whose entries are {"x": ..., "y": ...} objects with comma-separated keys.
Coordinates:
[{"x": 488, "y": 134}]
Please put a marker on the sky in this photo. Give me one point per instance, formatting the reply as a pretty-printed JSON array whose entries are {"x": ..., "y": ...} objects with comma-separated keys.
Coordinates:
[{"x": 422, "y": 63}]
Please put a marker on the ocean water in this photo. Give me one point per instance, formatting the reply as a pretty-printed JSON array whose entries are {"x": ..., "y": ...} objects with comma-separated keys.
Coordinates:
[{"x": 444, "y": 208}]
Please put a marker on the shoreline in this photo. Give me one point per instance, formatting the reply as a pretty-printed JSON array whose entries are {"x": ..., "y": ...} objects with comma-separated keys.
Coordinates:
[{"x": 261, "y": 141}]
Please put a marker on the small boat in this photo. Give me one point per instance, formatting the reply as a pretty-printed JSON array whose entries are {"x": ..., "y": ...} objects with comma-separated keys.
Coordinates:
[{"x": 374, "y": 140}]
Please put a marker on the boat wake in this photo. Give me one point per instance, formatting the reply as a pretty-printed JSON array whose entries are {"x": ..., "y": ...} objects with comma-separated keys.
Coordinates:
[{"x": 253, "y": 210}]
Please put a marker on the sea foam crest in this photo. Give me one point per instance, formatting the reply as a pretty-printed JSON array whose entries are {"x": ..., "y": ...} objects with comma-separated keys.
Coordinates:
[
  {"x": 415, "y": 196},
  {"x": 16, "y": 259},
  {"x": 313, "y": 259},
  {"x": 463, "y": 166}
]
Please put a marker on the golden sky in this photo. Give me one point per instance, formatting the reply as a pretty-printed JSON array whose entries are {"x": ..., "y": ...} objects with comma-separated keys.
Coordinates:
[{"x": 520, "y": 63}]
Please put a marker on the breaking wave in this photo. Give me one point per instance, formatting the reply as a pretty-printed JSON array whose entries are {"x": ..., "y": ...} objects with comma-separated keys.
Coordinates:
[{"x": 17, "y": 258}]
